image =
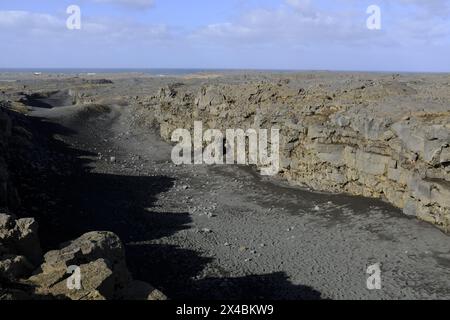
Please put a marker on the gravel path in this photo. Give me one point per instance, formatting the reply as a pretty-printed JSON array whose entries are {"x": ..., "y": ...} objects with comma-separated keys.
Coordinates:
[{"x": 224, "y": 232}]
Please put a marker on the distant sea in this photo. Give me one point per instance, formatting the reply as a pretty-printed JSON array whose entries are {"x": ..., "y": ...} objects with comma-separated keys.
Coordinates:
[
  {"x": 177, "y": 72},
  {"x": 162, "y": 72}
]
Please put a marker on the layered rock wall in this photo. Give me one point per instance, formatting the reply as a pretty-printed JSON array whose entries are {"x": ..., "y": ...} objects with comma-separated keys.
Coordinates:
[
  {"x": 386, "y": 139},
  {"x": 25, "y": 272},
  {"x": 99, "y": 259}
]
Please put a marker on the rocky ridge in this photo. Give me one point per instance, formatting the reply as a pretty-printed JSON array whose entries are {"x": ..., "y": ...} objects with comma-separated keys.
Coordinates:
[
  {"x": 386, "y": 138},
  {"x": 27, "y": 273},
  {"x": 407, "y": 249}
]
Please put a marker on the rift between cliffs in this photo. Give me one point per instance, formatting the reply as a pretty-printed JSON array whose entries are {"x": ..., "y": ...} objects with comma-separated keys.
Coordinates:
[{"x": 384, "y": 138}]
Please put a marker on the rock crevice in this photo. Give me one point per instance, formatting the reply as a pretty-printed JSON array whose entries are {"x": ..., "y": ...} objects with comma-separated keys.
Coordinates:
[{"x": 381, "y": 140}]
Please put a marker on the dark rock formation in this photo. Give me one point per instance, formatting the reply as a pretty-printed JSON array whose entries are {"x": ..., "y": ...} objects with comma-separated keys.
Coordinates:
[
  {"x": 25, "y": 273},
  {"x": 384, "y": 139},
  {"x": 98, "y": 257}
]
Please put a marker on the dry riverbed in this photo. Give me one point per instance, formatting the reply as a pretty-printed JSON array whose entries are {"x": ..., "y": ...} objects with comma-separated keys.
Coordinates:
[
  {"x": 210, "y": 232},
  {"x": 225, "y": 232}
]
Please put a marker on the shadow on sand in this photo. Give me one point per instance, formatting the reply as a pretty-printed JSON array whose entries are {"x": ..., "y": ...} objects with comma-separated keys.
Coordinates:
[{"x": 68, "y": 199}]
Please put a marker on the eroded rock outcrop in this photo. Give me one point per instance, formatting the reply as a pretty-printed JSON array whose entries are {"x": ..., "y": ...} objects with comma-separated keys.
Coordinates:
[
  {"x": 100, "y": 258},
  {"x": 20, "y": 250},
  {"x": 383, "y": 138},
  {"x": 97, "y": 257},
  {"x": 25, "y": 273}
]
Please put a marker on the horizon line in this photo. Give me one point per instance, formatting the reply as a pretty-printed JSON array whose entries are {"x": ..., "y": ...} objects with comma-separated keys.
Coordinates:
[{"x": 29, "y": 69}]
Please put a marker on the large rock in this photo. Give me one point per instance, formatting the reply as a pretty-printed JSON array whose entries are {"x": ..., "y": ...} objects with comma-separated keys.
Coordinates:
[
  {"x": 20, "y": 237},
  {"x": 96, "y": 278},
  {"x": 99, "y": 258},
  {"x": 89, "y": 247}
]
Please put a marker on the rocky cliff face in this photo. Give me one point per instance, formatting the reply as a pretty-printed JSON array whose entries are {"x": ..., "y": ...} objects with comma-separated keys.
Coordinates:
[
  {"x": 386, "y": 138},
  {"x": 25, "y": 272}
]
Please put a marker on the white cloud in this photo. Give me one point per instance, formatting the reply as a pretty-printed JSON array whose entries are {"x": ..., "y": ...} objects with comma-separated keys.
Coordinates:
[
  {"x": 139, "y": 4},
  {"x": 301, "y": 23},
  {"x": 36, "y": 39},
  {"x": 294, "y": 33},
  {"x": 435, "y": 7},
  {"x": 298, "y": 23},
  {"x": 45, "y": 29},
  {"x": 25, "y": 19}
]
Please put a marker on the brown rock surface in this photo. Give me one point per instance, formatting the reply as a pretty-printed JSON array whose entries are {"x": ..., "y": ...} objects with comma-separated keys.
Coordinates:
[
  {"x": 100, "y": 258},
  {"x": 379, "y": 138}
]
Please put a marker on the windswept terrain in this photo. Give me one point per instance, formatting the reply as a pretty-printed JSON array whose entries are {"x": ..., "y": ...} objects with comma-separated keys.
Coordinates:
[{"x": 364, "y": 180}]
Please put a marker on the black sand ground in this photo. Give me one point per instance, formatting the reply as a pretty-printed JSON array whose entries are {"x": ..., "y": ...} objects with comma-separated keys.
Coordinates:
[{"x": 224, "y": 232}]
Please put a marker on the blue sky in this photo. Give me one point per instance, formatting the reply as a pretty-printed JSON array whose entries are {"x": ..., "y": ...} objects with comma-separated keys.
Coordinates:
[{"x": 264, "y": 34}]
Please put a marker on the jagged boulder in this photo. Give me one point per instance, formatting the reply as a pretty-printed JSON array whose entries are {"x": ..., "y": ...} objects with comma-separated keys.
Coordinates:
[
  {"x": 20, "y": 249},
  {"x": 99, "y": 260},
  {"x": 97, "y": 257}
]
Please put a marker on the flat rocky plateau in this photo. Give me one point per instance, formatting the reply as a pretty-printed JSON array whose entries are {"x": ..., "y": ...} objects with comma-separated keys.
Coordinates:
[{"x": 364, "y": 180}]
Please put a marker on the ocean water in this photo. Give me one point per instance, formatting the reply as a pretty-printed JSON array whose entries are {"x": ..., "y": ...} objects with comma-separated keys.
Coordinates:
[
  {"x": 161, "y": 71},
  {"x": 99, "y": 70}
]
